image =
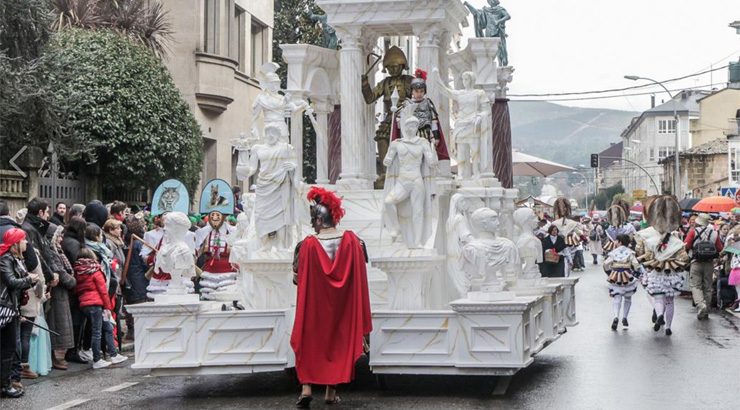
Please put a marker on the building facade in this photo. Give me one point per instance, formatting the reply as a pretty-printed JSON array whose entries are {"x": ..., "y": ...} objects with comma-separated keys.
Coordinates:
[
  {"x": 717, "y": 116},
  {"x": 650, "y": 138},
  {"x": 217, "y": 50},
  {"x": 703, "y": 169},
  {"x": 610, "y": 167}
]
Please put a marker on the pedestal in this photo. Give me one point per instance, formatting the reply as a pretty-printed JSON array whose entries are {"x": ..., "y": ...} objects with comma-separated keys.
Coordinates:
[
  {"x": 551, "y": 319},
  {"x": 190, "y": 298},
  {"x": 569, "y": 298},
  {"x": 272, "y": 283},
  {"x": 164, "y": 334},
  {"x": 497, "y": 333},
  {"x": 408, "y": 280}
]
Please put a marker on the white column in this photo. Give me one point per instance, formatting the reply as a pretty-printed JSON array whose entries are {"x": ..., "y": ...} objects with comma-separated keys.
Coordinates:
[
  {"x": 429, "y": 57},
  {"x": 443, "y": 105},
  {"x": 322, "y": 108},
  {"x": 353, "y": 110},
  {"x": 296, "y": 132},
  {"x": 428, "y": 53}
]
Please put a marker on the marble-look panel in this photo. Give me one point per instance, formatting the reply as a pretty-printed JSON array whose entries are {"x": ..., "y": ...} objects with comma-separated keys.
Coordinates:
[
  {"x": 413, "y": 338},
  {"x": 244, "y": 337}
]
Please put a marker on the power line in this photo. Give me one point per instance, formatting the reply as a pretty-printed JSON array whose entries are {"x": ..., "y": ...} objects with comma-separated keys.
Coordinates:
[
  {"x": 619, "y": 89},
  {"x": 601, "y": 97}
]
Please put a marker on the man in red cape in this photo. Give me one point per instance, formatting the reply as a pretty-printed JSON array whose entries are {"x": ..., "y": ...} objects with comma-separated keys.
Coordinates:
[{"x": 333, "y": 304}]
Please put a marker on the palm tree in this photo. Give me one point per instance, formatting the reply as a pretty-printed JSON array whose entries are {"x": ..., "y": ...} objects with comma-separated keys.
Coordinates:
[{"x": 143, "y": 21}]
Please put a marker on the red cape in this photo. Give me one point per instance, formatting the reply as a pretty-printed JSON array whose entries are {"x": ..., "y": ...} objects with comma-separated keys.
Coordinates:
[{"x": 332, "y": 311}]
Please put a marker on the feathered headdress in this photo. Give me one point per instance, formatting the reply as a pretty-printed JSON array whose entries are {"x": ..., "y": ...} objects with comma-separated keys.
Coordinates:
[
  {"x": 420, "y": 81},
  {"x": 328, "y": 199}
]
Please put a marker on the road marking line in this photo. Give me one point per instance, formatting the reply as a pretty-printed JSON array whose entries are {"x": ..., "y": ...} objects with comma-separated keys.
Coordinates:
[
  {"x": 69, "y": 404},
  {"x": 120, "y": 387}
]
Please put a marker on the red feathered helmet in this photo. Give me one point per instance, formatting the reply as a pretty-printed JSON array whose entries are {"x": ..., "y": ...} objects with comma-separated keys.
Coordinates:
[
  {"x": 420, "y": 82},
  {"x": 326, "y": 207}
]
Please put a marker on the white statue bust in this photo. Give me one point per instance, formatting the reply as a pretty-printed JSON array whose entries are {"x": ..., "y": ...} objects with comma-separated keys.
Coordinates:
[
  {"x": 176, "y": 255},
  {"x": 272, "y": 104},
  {"x": 409, "y": 188},
  {"x": 487, "y": 256},
  {"x": 529, "y": 246},
  {"x": 471, "y": 135},
  {"x": 459, "y": 233},
  {"x": 276, "y": 190}
]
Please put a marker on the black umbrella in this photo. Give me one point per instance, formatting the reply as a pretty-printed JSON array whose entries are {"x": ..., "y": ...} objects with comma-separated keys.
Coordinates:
[{"x": 687, "y": 203}]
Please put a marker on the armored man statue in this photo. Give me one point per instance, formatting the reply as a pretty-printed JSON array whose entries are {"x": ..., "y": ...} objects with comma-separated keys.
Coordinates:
[{"x": 409, "y": 188}]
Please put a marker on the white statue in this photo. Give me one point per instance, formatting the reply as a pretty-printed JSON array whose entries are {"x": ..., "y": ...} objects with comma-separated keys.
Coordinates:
[
  {"x": 459, "y": 233},
  {"x": 529, "y": 246},
  {"x": 409, "y": 188},
  {"x": 470, "y": 140},
  {"x": 277, "y": 189},
  {"x": 488, "y": 257},
  {"x": 176, "y": 255},
  {"x": 273, "y": 105}
]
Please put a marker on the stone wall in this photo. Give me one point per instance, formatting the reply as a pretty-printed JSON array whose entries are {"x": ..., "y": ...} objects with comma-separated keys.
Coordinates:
[{"x": 702, "y": 174}]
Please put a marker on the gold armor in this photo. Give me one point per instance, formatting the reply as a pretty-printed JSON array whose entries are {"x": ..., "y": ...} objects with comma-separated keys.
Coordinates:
[{"x": 394, "y": 62}]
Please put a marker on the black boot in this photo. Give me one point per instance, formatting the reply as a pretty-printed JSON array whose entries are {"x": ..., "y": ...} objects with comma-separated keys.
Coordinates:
[
  {"x": 658, "y": 323},
  {"x": 615, "y": 323},
  {"x": 12, "y": 392},
  {"x": 625, "y": 323},
  {"x": 655, "y": 316}
]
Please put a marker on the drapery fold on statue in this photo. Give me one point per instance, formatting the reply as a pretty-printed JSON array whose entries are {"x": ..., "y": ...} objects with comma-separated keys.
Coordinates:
[{"x": 332, "y": 311}]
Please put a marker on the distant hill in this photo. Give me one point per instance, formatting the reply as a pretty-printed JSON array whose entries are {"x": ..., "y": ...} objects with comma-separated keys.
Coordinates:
[{"x": 565, "y": 134}]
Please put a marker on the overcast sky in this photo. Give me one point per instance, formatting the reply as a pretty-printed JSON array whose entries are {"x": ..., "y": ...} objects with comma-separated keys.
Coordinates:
[{"x": 582, "y": 45}]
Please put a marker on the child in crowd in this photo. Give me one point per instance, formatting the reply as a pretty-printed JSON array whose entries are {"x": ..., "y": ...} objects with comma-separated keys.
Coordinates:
[{"x": 92, "y": 291}]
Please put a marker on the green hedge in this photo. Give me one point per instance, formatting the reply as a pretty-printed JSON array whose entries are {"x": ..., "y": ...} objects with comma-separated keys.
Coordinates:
[{"x": 129, "y": 109}]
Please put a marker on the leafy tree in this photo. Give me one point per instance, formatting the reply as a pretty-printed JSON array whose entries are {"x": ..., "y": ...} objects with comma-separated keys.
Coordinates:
[
  {"x": 292, "y": 26},
  {"x": 604, "y": 199},
  {"x": 130, "y": 113},
  {"x": 141, "y": 21},
  {"x": 29, "y": 113}
]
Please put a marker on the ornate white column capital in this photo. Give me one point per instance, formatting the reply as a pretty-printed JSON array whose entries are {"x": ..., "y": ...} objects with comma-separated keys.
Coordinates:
[
  {"x": 429, "y": 36},
  {"x": 504, "y": 76},
  {"x": 351, "y": 37}
]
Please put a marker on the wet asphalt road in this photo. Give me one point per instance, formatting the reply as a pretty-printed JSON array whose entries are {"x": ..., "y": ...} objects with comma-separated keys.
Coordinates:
[{"x": 589, "y": 367}]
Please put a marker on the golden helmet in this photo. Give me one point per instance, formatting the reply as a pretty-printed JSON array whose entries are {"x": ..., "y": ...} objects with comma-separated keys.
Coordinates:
[{"x": 395, "y": 56}]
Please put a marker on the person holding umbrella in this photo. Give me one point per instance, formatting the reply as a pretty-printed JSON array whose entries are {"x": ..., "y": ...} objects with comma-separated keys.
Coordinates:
[{"x": 704, "y": 245}]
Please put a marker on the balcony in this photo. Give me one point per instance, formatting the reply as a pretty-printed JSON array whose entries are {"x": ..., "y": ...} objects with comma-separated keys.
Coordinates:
[{"x": 215, "y": 85}]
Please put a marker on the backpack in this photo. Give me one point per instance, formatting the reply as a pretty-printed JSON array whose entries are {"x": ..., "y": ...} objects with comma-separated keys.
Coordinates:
[
  {"x": 593, "y": 235},
  {"x": 704, "y": 249}
]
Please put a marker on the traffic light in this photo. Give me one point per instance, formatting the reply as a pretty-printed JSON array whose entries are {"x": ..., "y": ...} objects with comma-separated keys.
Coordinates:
[{"x": 594, "y": 160}]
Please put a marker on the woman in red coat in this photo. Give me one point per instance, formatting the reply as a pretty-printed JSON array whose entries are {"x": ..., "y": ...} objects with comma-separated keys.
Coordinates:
[
  {"x": 92, "y": 292},
  {"x": 333, "y": 303}
]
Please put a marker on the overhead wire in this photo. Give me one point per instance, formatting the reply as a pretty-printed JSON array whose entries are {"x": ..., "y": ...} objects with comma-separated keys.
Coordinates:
[{"x": 611, "y": 90}]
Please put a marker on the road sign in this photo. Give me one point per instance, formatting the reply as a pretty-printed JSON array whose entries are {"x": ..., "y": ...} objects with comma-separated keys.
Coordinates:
[{"x": 729, "y": 192}]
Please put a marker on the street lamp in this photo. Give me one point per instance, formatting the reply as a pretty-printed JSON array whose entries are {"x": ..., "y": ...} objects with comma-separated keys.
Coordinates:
[{"x": 676, "y": 184}]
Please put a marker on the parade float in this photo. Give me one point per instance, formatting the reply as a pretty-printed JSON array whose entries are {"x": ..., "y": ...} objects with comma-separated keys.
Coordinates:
[{"x": 454, "y": 284}]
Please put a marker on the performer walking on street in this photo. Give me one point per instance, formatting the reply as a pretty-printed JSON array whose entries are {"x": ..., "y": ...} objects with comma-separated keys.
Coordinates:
[
  {"x": 623, "y": 270},
  {"x": 333, "y": 304}
]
